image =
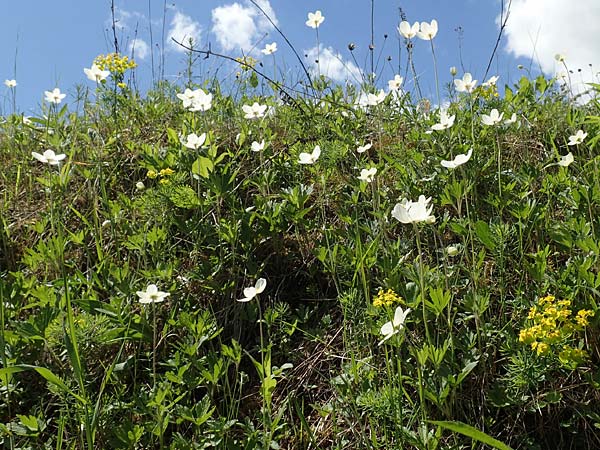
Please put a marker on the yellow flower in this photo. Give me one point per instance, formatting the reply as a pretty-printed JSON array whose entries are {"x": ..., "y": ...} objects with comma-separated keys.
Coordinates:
[
  {"x": 246, "y": 62},
  {"x": 151, "y": 174},
  {"x": 386, "y": 298},
  {"x": 115, "y": 63},
  {"x": 166, "y": 172}
]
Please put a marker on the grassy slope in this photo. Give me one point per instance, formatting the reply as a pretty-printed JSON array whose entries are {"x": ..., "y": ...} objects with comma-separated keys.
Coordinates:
[{"x": 78, "y": 240}]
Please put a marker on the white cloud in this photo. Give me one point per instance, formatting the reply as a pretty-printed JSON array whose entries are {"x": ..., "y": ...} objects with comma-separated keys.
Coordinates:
[
  {"x": 139, "y": 48},
  {"x": 543, "y": 28},
  {"x": 332, "y": 65},
  {"x": 182, "y": 29},
  {"x": 238, "y": 26}
]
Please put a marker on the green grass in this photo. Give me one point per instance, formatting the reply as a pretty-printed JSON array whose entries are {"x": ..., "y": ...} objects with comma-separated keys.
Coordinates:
[{"x": 85, "y": 365}]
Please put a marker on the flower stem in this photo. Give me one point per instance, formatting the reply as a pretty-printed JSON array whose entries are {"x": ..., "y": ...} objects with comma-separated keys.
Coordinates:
[
  {"x": 422, "y": 283},
  {"x": 437, "y": 83}
]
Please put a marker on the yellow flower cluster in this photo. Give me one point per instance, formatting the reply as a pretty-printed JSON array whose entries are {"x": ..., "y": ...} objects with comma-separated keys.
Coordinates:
[
  {"x": 554, "y": 325},
  {"x": 246, "y": 62},
  {"x": 163, "y": 174},
  {"x": 115, "y": 63},
  {"x": 386, "y": 298},
  {"x": 488, "y": 92}
]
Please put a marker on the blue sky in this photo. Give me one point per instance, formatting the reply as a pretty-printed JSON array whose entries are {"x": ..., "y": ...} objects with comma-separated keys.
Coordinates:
[{"x": 50, "y": 43}]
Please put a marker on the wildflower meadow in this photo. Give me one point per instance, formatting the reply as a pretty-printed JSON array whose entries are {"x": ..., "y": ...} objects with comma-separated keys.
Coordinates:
[{"x": 267, "y": 265}]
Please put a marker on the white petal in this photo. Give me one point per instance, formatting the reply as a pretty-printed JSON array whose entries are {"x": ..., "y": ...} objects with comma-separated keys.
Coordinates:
[{"x": 260, "y": 286}]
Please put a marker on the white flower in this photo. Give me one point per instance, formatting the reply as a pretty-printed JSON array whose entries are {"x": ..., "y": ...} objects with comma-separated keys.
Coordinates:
[
  {"x": 577, "y": 138},
  {"x": 202, "y": 101},
  {"x": 187, "y": 97},
  {"x": 95, "y": 74},
  {"x": 453, "y": 71},
  {"x": 413, "y": 212},
  {"x": 491, "y": 81},
  {"x": 140, "y": 186},
  {"x": 372, "y": 99},
  {"x": 445, "y": 121},
  {"x": 458, "y": 161},
  {"x": 452, "y": 250},
  {"x": 315, "y": 19},
  {"x": 49, "y": 157},
  {"x": 194, "y": 141},
  {"x": 512, "y": 119},
  {"x": 493, "y": 119},
  {"x": 196, "y": 100},
  {"x": 253, "y": 291},
  {"x": 27, "y": 120},
  {"x": 559, "y": 57},
  {"x": 368, "y": 175},
  {"x": 428, "y": 31},
  {"x": 310, "y": 158},
  {"x": 255, "y": 111},
  {"x": 394, "y": 85},
  {"x": 394, "y": 326},
  {"x": 364, "y": 148},
  {"x": 54, "y": 96},
  {"x": 269, "y": 49},
  {"x": 408, "y": 31},
  {"x": 467, "y": 84},
  {"x": 152, "y": 295},
  {"x": 10, "y": 83},
  {"x": 257, "y": 146},
  {"x": 566, "y": 160}
]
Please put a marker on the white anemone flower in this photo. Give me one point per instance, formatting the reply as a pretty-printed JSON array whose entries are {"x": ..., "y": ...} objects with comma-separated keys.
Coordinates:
[
  {"x": 458, "y": 161},
  {"x": 428, "y": 31},
  {"x": 96, "y": 74},
  {"x": 446, "y": 121},
  {"x": 310, "y": 158},
  {"x": 254, "y": 111},
  {"x": 10, "y": 83},
  {"x": 315, "y": 19},
  {"x": 368, "y": 175},
  {"x": 371, "y": 99},
  {"x": 49, "y": 157},
  {"x": 253, "y": 291},
  {"x": 194, "y": 142},
  {"x": 54, "y": 96},
  {"x": 269, "y": 49},
  {"x": 196, "y": 100},
  {"x": 202, "y": 101},
  {"x": 414, "y": 212},
  {"x": 152, "y": 295},
  {"x": 363, "y": 148},
  {"x": 408, "y": 31},
  {"x": 494, "y": 118},
  {"x": 513, "y": 119},
  {"x": 396, "y": 83},
  {"x": 566, "y": 160},
  {"x": 257, "y": 146},
  {"x": 466, "y": 84},
  {"x": 395, "y": 325},
  {"x": 577, "y": 138},
  {"x": 491, "y": 82}
]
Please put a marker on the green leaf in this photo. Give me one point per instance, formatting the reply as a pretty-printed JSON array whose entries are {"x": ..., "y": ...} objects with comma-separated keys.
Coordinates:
[
  {"x": 173, "y": 136},
  {"x": 47, "y": 374},
  {"x": 202, "y": 166},
  {"x": 483, "y": 232},
  {"x": 29, "y": 421},
  {"x": 184, "y": 197},
  {"x": 472, "y": 432}
]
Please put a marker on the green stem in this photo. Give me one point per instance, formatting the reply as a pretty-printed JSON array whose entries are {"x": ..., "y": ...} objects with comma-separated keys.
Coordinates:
[{"x": 422, "y": 283}]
